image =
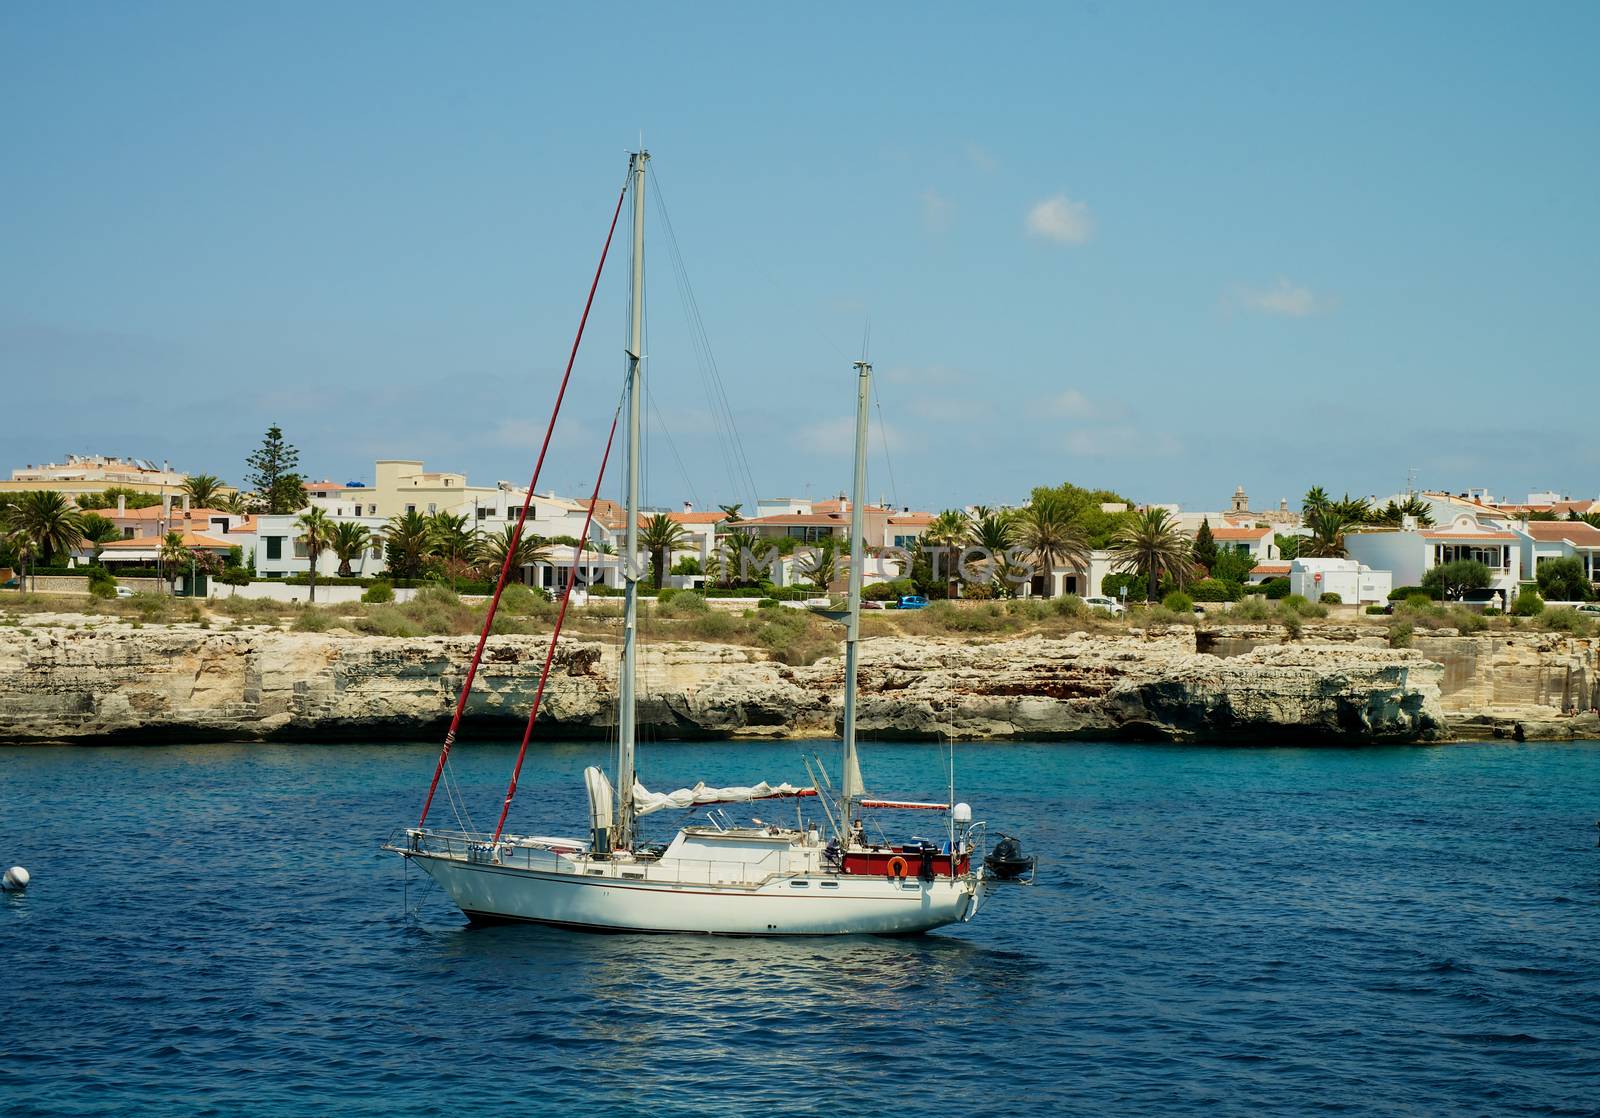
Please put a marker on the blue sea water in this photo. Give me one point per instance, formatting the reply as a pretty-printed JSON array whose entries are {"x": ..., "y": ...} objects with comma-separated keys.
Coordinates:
[{"x": 212, "y": 930}]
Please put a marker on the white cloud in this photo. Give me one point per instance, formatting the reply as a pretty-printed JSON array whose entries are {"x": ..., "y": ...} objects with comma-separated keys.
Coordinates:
[
  {"x": 1074, "y": 405},
  {"x": 1282, "y": 298},
  {"x": 981, "y": 158},
  {"x": 936, "y": 211},
  {"x": 1120, "y": 442},
  {"x": 1062, "y": 220},
  {"x": 837, "y": 437}
]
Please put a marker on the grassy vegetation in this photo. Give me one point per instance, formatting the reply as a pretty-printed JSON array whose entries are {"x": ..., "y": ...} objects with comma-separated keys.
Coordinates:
[{"x": 791, "y": 636}]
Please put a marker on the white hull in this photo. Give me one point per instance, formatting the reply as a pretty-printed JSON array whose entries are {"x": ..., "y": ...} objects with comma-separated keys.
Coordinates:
[{"x": 601, "y": 898}]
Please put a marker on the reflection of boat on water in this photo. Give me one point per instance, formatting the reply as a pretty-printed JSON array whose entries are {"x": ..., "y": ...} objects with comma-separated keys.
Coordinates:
[{"x": 822, "y": 877}]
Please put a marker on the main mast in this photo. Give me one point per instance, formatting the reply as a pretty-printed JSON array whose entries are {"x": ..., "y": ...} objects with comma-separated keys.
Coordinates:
[
  {"x": 850, "y": 788},
  {"x": 627, "y": 728}
]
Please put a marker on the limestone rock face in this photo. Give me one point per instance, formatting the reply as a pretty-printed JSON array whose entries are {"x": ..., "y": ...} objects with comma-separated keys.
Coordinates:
[{"x": 165, "y": 684}]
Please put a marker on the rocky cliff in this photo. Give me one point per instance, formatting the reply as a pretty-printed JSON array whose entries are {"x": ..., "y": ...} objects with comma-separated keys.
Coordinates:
[{"x": 119, "y": 683}]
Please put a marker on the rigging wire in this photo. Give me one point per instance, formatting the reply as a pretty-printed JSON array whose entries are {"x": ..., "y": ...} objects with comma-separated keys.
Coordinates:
[
  {"x": 527, "y": 500},
  {"x": 883, "y": 439},
  {"x": 672, "y": 446},
  {"x": 555, "y": 633},
  {"x": 736, "y": 461}
]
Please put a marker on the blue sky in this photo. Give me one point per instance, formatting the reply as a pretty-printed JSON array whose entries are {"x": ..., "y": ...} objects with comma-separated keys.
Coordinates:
[{"x": 1165, "y": 249}]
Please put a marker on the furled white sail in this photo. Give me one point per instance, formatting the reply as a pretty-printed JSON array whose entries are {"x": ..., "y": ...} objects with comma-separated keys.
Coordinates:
[
  {"x": 645, "y": 802},
  {"x": 600, "y": 810}
]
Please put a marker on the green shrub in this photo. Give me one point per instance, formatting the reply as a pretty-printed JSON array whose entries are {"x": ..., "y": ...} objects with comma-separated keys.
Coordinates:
[
  {"x": 1157, "y": 616},
  {"x": 1178, "y": 602},
  {"x": 1069, "y": 605},
  {"x": 522, "y": 601},
  {"x": 1528, "y": 603},
  {"x": 1563, "y": 619},
  {"x": 378, "y": 593},
  {"x": 1419, "y": 601},
  {"x": 1376, "y": 611},
  {"x": 1564, "y": 580},
  {"x": 1300, "y": 607},
  {"x": 666, "y": 594},
  {"x": 1214, "y": 590},
  {"x": 313, "y": 620},
  {"x": 1400, "y": 633},
  {"x": 1273, "y": 588},
  {"x": 711, "y": 625},
  {"x": 888, "y": 591},
  {"x": 1331, "y": 599},
  {"x": 1406, "y": 593},
  {"x": 1253, "y": 608},
  {"x": 105, "y": 590},
  {"x": 1468, "y": 620},
  {"x": 388, "y": 621},
  {"x": 768, "y": 603},
  {"x": 685, "y": 603}
]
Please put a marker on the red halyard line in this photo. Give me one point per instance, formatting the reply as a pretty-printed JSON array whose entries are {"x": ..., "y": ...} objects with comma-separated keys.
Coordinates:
[{"x": 522, "y": 519}]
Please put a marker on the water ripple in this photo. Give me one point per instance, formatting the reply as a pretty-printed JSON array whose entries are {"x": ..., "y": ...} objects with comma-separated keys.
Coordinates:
[{"x": 1229, "y": 932}]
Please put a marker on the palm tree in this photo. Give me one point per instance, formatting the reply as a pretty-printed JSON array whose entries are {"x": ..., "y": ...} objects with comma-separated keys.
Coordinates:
[
  {"x": 450, "y": 538},
  {"x": 738, "y": 549},
  {"x": 175, "y": 557},
  {"x": 1052, "y": 536},
  {"x": 1357, "y": 510},
  {"x": 1328, "y": 526},
  {"x": 348, "y": 541},
  {"x": 732, "y": 512},
  {"x": 316, "y": 532},
  {"x": 526, "y": 551},
  {"x": 949, "y": 531},
  {"x": 238, "y": 503},
  {"x": 22, "y": 545},
  {"x": 1151, "y": 545},
  {"x": 660, "y": 536},
  {"x": 50, "y": 520},
  {"x": 203, "y": 490},
  {"x": 406, "y": 542},
  {"x": 1316, "y": 498},
  {"x": 994, "y": 534},
  {"x": 820, "y": 566},
  {"x": 97, "y": 532}
]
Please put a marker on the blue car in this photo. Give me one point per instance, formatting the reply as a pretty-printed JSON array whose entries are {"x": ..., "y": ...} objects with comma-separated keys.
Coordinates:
[{"x": 913, "y": 601}]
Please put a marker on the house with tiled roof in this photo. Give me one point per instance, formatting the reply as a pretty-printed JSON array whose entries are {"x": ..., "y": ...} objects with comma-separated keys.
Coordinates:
[
  {"x": 1478, "y": 533},
  {"x": 1544, "y": 540}
]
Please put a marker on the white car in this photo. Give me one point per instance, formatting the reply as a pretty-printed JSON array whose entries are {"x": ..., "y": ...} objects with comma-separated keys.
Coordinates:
[
  {"x": 124, "y": 592},
  {"x": 1110, "y": 605}
]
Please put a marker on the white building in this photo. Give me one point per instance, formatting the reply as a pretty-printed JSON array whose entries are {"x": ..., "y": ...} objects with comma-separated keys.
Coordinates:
[
  {"x": 1543, "y": 540},
  {"x": 1355, "y": 583},
  {"x": 1408, "y": 554}
]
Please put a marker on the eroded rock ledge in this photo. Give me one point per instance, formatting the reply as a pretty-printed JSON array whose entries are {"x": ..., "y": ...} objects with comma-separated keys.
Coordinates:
[{"x": 193, "y": 684}]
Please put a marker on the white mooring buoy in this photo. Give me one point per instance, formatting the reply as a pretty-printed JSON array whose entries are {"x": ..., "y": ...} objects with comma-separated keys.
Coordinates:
[{"x": 15, "y": 880}]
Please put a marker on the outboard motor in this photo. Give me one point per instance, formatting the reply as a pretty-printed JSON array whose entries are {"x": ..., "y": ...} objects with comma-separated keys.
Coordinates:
[{"x": 1007, "y": 862}]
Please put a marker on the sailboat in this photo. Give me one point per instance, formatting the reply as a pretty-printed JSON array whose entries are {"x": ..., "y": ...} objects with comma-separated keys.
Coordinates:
[{"x": 821, "y": 877}]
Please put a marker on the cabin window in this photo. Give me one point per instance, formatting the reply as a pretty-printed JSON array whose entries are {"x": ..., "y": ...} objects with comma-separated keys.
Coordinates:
[
  {"x": 799, "y": 884},
  {"x": 829, "y": 885}
]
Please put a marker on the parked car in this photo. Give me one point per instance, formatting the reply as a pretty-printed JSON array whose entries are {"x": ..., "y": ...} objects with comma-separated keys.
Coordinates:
[
  {"x": 1589, "y": 607},
  {"x": 10, "y": 584},
  {"x": 124, "y": 592},
  {"x": 913, "y": 601},
  {"x": 1110, "y": 605}
]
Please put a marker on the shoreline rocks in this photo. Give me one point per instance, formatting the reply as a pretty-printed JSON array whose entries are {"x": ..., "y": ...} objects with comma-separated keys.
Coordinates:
[{"x": 118, "y": 684}]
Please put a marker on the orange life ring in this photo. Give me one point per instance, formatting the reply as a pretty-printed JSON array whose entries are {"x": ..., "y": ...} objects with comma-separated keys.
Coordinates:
[{"x": 898, "y": 866}]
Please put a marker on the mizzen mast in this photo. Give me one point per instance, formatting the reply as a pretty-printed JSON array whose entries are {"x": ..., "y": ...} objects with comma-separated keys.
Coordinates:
[{"x": 850, "y": 786}]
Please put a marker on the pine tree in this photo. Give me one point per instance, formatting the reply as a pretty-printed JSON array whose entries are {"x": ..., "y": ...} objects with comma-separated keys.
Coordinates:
[
  {"x": 272, "y": 473},
  {"x": 1205, "y": 546}
]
